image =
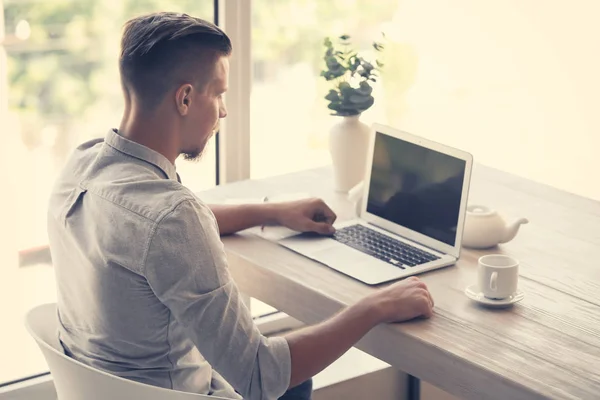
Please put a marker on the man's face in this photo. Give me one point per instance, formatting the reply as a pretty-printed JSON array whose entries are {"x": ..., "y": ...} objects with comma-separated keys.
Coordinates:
[{"x": 206, "y": 109}]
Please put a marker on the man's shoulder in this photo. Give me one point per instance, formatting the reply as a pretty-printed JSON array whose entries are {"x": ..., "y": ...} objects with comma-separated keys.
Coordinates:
[
  {"x": 140, "y": 191},
  {"x": 113, "y": 178}
]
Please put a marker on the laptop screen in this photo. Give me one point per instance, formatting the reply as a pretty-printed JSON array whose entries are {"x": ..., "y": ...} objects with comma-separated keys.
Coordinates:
[{"x": 416, "y": 187}]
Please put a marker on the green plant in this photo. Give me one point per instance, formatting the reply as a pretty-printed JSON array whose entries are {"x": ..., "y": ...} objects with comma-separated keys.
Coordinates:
[{"x": 351, "y": 75}]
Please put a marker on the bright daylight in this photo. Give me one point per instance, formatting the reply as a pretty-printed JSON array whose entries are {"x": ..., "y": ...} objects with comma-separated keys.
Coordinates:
[{"x": 299, "y": 199}]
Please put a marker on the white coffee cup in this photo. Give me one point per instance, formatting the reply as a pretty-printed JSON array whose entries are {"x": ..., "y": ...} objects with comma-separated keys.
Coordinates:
[{"x": 498, "y": 276}]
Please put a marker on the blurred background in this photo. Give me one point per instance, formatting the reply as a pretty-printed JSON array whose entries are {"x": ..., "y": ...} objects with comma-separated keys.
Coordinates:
[{"x": 513, "y": 82}]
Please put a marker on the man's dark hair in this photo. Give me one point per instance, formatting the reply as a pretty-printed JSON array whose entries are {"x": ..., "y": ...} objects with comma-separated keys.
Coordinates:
[{"x": 160, "y": 51}]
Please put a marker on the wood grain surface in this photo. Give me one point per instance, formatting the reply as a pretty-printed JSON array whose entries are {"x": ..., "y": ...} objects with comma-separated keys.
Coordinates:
[{"x": 546, "y": 346}]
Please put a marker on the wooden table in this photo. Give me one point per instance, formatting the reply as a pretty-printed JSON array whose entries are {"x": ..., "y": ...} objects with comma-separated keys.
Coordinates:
[{"x": 546, "y": 346}]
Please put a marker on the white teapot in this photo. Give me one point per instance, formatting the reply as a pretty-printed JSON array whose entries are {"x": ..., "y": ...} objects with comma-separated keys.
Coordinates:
[{"x": 485, "y": 228}]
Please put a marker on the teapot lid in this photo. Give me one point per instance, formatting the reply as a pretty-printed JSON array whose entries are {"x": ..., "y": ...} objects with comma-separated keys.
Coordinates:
[{"x": 478, "y": 209}]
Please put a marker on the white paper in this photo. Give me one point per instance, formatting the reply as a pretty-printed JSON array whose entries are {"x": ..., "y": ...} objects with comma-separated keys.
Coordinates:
[{"x": 272, "y": 233}]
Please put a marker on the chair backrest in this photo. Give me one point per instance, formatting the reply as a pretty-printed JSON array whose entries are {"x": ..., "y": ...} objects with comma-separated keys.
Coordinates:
[{"x": 74, "y": 380}]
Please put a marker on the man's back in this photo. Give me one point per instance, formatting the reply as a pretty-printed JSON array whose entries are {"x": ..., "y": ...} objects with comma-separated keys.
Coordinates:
[{"x": 137, "y": 290}]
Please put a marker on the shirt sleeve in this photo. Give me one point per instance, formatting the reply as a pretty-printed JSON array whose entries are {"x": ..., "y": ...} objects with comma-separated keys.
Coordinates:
[{"x": 186, "y": 268}]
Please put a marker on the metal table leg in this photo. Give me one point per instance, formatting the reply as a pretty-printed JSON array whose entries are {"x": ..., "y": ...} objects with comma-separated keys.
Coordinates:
[{"x": 414, "y": 388}]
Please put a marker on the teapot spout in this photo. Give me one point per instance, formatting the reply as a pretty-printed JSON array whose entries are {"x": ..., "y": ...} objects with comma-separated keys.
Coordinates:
[{"x": 512, "y": 229}]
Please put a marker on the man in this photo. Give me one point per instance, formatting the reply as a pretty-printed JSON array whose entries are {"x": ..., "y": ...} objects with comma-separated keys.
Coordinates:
[{"x": 143, "y": 286}]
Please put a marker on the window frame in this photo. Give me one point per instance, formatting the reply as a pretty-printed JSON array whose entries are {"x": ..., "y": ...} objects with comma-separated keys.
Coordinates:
[{"x": 233, "y": 142}]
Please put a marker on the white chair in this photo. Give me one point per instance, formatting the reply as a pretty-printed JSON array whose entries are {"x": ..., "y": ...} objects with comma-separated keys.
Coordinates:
[{"x": 76, "y": 381}]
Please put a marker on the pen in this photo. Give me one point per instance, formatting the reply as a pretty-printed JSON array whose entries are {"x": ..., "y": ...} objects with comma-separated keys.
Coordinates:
[{"x": 264, "y": 200}]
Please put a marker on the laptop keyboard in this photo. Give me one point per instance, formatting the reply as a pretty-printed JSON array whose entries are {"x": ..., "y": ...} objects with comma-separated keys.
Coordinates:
[{"x": 383, "y": 247}]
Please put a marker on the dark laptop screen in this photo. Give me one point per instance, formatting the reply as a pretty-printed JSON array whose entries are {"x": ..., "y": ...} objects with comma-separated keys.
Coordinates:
[{"x": 416, "y": 187}]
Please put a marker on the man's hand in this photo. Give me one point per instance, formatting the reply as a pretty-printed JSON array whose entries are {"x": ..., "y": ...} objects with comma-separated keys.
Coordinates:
[
  {"x": 308, "y": 215},
  {"x": 402, "y": 301},
  {"x": 314, "y": 348}
]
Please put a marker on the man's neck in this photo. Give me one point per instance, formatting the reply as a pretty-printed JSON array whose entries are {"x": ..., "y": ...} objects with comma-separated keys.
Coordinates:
[{"x": 153, "y": 130}]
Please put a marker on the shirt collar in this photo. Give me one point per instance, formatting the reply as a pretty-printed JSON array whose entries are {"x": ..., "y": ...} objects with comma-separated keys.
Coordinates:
[{"x": 119, "y": 143}]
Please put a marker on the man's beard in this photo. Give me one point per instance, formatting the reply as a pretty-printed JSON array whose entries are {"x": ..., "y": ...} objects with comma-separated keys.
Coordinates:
[
  {"x": 196, "y": 154},
  {"x": 193, "y": 155}
]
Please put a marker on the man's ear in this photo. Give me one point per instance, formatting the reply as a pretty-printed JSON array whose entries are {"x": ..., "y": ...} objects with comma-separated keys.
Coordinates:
[{"x": 183, "y": 99}]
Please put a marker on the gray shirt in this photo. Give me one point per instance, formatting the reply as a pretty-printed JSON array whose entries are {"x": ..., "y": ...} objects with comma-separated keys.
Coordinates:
[{"x": 144, "y": 290}]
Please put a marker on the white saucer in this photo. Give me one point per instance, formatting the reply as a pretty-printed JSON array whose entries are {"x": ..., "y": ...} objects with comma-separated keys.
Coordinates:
[{"x": 473, "y": 293}]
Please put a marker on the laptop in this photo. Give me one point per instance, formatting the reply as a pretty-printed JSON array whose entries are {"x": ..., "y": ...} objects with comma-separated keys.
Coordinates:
[{"x": 412, "y": 214}]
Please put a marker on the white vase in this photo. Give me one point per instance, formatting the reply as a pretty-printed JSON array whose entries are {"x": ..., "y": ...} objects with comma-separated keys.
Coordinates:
[{"x": 348, "y": 145}]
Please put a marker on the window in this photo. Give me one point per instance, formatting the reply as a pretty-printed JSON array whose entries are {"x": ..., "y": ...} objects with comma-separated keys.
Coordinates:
[
  {"x": 59, "y": 59},
  {"x": 507, "y": 81},
  {"x": 289, "y": 118}
]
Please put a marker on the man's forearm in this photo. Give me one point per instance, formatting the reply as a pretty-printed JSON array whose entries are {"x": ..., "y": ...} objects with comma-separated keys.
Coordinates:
[
  {"x": 314, "y": 348},
  {"x": 235, "y": 218}
]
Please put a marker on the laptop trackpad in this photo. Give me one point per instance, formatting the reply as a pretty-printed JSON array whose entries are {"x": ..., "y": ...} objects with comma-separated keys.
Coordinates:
[
  {"x": 345, "y": 256},
  {"x": 308, "y": 244},
  {"x": 356, "y": 264},
  {"x": 342, "y": 258}
]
